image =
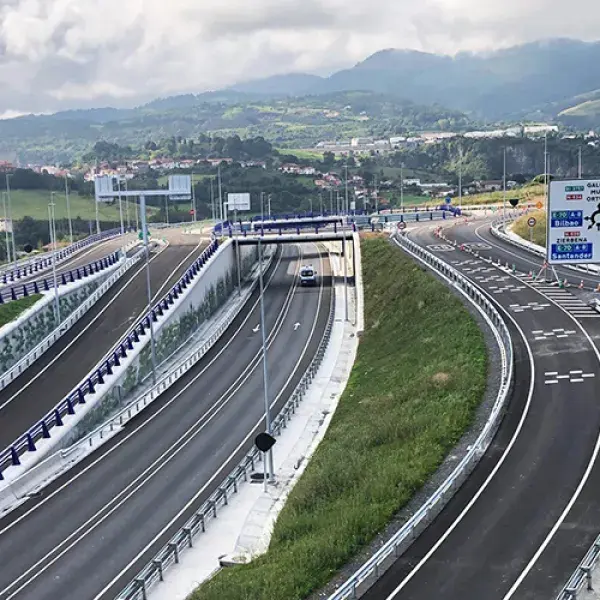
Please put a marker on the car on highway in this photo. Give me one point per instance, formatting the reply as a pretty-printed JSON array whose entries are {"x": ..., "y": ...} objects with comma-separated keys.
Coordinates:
[{"x": 308, "y": 275}]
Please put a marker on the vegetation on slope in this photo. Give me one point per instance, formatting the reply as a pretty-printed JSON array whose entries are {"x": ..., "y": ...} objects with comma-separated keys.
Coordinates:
[
  {"x": 11, "y": 310},
  {"x": 521, "y": 228},
  {"x": 419, "y": 376}
]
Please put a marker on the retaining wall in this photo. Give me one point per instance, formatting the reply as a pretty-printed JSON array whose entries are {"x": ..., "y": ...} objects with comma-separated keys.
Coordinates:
[{"x": 20, "y": 336}]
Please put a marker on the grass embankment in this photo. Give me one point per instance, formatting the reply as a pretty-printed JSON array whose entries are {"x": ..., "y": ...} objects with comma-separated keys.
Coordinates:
[
  {"x": 34, "y": 203},
  {"x": 521, "y": 228},
  {"x": 11, "y": 310},
  {"x": 419, "y": 376},
  {"x": 527, "y": 193}
]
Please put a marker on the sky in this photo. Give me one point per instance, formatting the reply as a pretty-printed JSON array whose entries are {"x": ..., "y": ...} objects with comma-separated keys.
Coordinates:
[{"x": 58, "y": 54}]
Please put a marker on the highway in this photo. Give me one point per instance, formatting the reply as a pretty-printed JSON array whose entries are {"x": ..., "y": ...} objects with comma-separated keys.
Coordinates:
[
  {"x": 29, "y": 397},
  {"x": 90, "y": 532},
  {"x": 526, "y": 516}
]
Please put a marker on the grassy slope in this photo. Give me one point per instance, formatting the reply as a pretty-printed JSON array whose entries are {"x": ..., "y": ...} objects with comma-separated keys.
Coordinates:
[
  {"x": 11, "y": 310},
  {"x": 419, "y": 376},
  {"x": 34, "y": 203},
  {"x": 529, "y": 193},
  {"x": 521, "y": 228}
]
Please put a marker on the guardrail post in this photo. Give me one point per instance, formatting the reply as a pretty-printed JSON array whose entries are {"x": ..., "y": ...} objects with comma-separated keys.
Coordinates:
[
  {"x": 30, "y": 443},
  {"x": 99, "y": 375},
  {"x": 142, "y": 586},
  {"x": 25, "y": 292},
  {"x": 78, "y": 273},
  {"x": 71, "y": 278},
  {"x": 57, "y": 418},
  {"x": 13, "y": 294},
  {"x": 70, "y": 407},
  {"x": 188, "y": 533},
  {"x": 14, "y": 456},
  {"x": 46, "y": 286},
  {"x": 116, "y": 359},
  {"x": 45, "y": 431},
  {"x": 91, "y": 388},
  {"x": 588, "y": 578},
  {"x": 123, "y": 351},
  {"x": 129, "y": 343},
  {"x": 63, "y": 279},
  {"x": 175, "y": 550},
  {"x": 158, "y": 564}
]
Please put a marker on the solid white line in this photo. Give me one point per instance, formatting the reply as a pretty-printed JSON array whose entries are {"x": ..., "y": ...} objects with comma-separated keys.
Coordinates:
[
  {"x": 160, "y": 463},
  {"x": 582, "y": 482},
  {"x": 95, "y": 319},
  {"x": 485, "y": 484},
  {"x": 222, "y": 467}
]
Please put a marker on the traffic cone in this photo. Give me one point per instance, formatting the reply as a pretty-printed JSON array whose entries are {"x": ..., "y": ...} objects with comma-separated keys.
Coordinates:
[
  {"x": 530, "y": 274},
  {"x": 581, "y": 285},
  {"x": 513, "y": 269},
  {"x": 598, "y": 288},
  {"x": 565, "y": 283}
]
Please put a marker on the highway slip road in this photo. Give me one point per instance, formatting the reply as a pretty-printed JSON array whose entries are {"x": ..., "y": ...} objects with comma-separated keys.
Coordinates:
[
  {"x": 92, "y": 530},
  {"x": 62, "y": 367},
  {"x": 79, "y": 259},
  {"x": 490, "y": 533}
]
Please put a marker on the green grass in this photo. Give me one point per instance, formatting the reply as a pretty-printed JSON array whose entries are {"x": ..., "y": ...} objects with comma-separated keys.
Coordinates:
[
  {"x": 309, "y": 154},
  {"x": 11, "y": 310},
  {"x": 527, "y": 193},
  {"x": 34, "y": 203},
  {"x": 521, "y": 228},
  {"x": 419, "y": 376}
]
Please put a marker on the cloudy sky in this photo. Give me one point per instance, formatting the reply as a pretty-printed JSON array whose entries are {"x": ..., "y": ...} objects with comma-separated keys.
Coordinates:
[{"x": 58, "y": 54}]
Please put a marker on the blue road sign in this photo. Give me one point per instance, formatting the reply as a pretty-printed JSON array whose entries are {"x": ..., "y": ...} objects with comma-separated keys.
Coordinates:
[{"x": 448, "y": 200}]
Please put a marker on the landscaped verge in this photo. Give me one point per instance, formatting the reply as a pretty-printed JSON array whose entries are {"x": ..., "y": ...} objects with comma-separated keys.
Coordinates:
[
  {"x": 419, "y": 376},
  {"x": 521, "y": 228},
  {"x": 11, "y": 310}
]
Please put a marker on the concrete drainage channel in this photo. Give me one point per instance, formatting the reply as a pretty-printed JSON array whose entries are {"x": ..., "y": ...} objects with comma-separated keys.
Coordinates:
[
  {"x": 379, "y": 562},
  {"x": 184, "y": 539}
]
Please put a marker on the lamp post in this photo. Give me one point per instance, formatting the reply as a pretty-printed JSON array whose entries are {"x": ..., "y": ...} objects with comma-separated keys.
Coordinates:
[
  {"x": 68, "y": 209},
  {"x": 52, "y": 227},
  {"x": 263, "y": 327},
  {"x": 8, "y": 253},
  {"x": 12, "y": 229},
  {"x": 148, "y": 286}
]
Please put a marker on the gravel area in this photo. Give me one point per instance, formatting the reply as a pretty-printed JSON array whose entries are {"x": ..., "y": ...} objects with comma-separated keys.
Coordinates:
[{"x": 481, "y": 417}]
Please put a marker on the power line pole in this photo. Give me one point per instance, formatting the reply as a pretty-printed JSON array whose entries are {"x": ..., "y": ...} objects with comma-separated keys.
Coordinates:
[
  {"x": 8, "y": 252},
  {"x": 504, "y": 183}
]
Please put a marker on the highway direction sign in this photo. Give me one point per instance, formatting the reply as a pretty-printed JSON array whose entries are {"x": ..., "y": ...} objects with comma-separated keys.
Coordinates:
[
  {"x": 574, "y": 222},
  {"x": 531, "y": 221}
]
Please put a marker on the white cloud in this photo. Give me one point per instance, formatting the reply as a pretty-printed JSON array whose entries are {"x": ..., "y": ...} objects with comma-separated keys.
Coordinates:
[{"x": 58, "y": 53}]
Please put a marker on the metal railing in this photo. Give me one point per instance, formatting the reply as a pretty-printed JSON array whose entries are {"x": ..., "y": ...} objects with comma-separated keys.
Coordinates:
[
  {"x": 141, "y": 329},
  {"x": 43, "y": 285},
  {"x": 370, "y": 571},
  {"x": 30, "y": 266},
  {"x": 25, "y": 362},
  {"x": 171, "y": 553},
  {"x": 582, "y": 575}
]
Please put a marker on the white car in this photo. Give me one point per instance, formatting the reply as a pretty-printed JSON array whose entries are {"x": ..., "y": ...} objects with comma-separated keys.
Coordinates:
[{"x": 308, "y": 275}]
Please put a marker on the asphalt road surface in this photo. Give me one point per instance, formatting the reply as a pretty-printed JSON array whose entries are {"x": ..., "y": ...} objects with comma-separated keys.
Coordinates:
[
  {"x": 483, "y": 543},
  {"x": 93, "y": 529},
  {"x": 62, "y": 367}
]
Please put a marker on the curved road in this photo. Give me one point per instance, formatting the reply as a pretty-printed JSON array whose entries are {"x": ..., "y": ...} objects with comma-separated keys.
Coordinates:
[
  {"x": 509, "y": 532},
  {"x": 49, "y": 379},
  {"x": 93, "y": 529}
]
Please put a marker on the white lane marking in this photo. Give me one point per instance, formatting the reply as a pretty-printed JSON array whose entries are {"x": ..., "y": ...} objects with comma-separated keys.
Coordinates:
[
  {"x": 577, "y": 492},
  {"x": 550, "y": 373},
  {"x": 575, "y": 372},
  {"x": 96, "y": 318},
  {"x": 562, "y": 376},
  {"x": 588, "y": 375},
  {"x": 178, "y": 445},
  {"x": 551, "y": 381},
  {"x": 486, "y": 483},
  {"x": 222, "y": 467},
  {"x": 577, "y": 380}
]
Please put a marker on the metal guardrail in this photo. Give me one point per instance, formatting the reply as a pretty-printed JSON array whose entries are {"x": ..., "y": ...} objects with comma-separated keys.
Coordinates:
[
  {"x": 42, "y": 429},
  {"x": 170, "y": 554},
  {"x": 582, "y": 575},
  {"x": 391, "y": 550},
  {"x": 25, "y": 362},
  {"x": 31, "y": 266},
  {"x": 44, "y": 285}
]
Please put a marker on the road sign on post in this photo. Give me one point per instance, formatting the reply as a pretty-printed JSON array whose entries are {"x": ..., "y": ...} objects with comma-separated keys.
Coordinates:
[
  {"x": 531, "y": 221},
  {"x": 238, "y": 202},
  {"x": 448, "y": 199},
  {"x": 401, "y": 225},
  {"x": 514, "y": 202},
  {"x": 574, "y": 222}
]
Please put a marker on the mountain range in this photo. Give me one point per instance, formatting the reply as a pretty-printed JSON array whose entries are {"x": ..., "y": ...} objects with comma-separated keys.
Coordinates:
[
  {"x": 526, "y": 81},
  {"x": 391, "y": 92}
]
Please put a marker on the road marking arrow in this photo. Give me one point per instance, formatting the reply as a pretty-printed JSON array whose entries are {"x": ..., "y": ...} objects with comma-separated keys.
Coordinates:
[
  {"x": 296, "y": 326},
  {"x": 257, "y": 328}
]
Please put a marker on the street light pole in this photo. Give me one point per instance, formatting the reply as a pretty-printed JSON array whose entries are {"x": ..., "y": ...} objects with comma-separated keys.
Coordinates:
[
  {"x": 97, "y": 217},
  {"x": 120, "y": 205},
  {"x": 69, "y": 209},
  {"x": 12, "y": 227},
  {"x": 148, "y": 286},
  {"x": 580, "y": 170},
  {"x": 402, "y": 186},
  {"x": 546, "y": 169},
  {"x": 504, "y": 184},
  {"x": 52, "y": 228},
  {"x": 8, "y": 252},
  {"x": 193, "y": 200},
  {"x": 263, "y": 327}
]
